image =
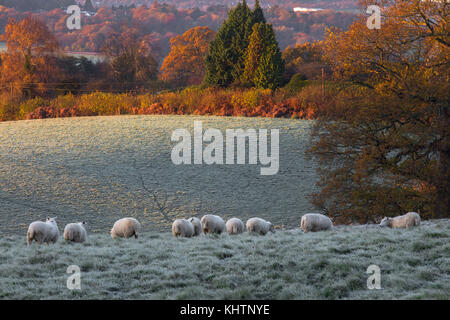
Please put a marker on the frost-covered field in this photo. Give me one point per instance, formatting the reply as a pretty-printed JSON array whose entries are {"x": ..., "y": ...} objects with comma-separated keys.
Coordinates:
[
  {"x": 104, "y": 168},
  {"x": 100, "y": 169},
  {"x": 414, "y": 263}
]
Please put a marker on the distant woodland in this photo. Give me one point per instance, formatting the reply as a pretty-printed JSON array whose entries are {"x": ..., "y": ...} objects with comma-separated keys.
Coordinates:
[
  {"x": 27, "y": 5},
  {"x": 157, "y": 23}
]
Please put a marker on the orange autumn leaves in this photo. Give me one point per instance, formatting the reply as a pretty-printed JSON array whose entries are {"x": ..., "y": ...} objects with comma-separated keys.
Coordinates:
[
  {"x": 30, "y": 59},
  {"x": 185, "y": 65}
]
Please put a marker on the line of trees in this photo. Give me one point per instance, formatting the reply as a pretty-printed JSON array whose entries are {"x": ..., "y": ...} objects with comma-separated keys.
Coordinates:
[
  {"x": 243, "y": 53},
  {"x": 158, "y": 23}
]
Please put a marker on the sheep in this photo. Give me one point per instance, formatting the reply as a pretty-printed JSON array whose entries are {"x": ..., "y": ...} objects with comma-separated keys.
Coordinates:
[
  {"x": 197, "y": 225},
  {"x": 75, "y": 232},
  {"x": 182, "y": 228},
  {"x": 125, "y": 228},
  {"x": 315, "y": 222},
  {"x": 407, "y": 220},
  {"x": 235, "y": 226},
  {"x": 259, "y": 226},
  {"x": 212, "y": 224},
  {"x": 43, "y": 231}
]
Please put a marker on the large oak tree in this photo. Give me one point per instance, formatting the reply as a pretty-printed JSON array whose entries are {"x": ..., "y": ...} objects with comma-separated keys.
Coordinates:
[{"x": 384, "y": 144}]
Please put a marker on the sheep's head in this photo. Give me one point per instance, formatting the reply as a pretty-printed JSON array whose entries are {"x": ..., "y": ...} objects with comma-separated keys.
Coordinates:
[
  {"x": 51, "y": 220},
  {"x": 271, "y": 227},
  {"x": 83, "y": 224},
  {"x": 386, "y": 222}
]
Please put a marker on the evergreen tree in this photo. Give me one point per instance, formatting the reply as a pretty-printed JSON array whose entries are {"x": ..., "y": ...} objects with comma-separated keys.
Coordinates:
[
  {"x": 253, "y": 53},
  {"x": 219, "y": 61},
  {"x": 88, "y": 6},
  {"x": 264, "y": 65},
  {"x": 245, "y": 51},
  {"x": 271, "y": 67},
  {"x": 242, "y": 24},
  {"x": 258, "y": 14},
  {"x": 225, "y": 61}
]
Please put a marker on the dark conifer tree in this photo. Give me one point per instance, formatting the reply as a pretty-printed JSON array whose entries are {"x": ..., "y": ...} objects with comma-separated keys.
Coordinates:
[{"x": 225, "y": 61}]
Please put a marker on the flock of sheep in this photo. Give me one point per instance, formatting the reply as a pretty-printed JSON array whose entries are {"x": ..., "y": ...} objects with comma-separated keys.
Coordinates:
[{"x": 46, "y": 232}]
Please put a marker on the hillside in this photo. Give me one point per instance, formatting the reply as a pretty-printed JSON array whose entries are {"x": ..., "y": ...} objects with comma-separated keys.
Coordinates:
[{"x": 100, "y": 169}]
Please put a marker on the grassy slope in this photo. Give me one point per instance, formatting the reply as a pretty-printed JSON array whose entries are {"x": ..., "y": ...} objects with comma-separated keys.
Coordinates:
[
  {"x": 92, "y": 169},
  {"x": 414, "y": 263}
]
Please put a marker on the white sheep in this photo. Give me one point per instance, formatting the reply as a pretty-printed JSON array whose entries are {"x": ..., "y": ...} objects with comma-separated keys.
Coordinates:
[
  {"x": 259, "y": 226},
  {"x": 235, "y": 226},
  {"x": 212, "y": 224},
  {"x": 43, "y": 231},
  {"x": 407, "y": 220},
  {"x": 75, "y": 232},
  {"x": 182, "y": 228},
  {"x": 315, "y": 222},
  {"x": 125, "y": 228},
  {"x": 197, "y": 225}
]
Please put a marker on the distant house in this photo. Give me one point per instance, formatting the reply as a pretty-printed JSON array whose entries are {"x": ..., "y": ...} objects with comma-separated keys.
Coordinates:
[{"x": 300, "y": 9}]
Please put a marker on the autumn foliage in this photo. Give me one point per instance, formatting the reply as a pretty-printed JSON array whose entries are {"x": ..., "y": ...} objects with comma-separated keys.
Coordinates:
[
  {"x": 190, "y": 101},
  {"x": 157, "y": 23},
  {"x": 384, "y": 142},
  {"x": 30, "y": 59},
  {"x": 185, "y": 64}
]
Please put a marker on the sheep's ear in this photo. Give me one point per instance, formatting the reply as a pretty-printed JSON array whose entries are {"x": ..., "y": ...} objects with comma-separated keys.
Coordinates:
[{"x": 48, "y": 218}]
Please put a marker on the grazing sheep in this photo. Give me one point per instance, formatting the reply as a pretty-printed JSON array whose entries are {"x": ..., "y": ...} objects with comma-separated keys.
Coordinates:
[
  {"x": 75, "y": 232},
  {"x": 235, "y": 226},
  {"x": 197, "y": 225},
  {"x": 125, "y": 228},
  {"x": 259, "y": 226},
  {"x": 182, "y": 228},
  {"x": 43, "y": 231},
  {"x": 315, "y": 222},
  {"x": 407, "y": 220},
  {"x": 212, "y": 224}
]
